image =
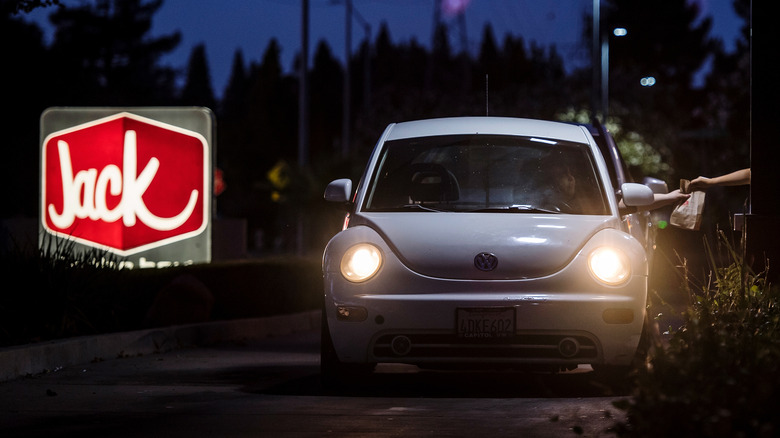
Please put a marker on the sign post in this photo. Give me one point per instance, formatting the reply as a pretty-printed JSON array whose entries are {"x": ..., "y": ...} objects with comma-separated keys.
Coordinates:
[{"x": 135, "y": 182}]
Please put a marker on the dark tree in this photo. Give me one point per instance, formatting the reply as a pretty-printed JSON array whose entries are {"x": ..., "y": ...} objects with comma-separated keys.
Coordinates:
[
  {"x": 666, "y": 41},
  {"x": 441, "y": 71},
  {"x": 515, "y": 59},
  {"x": 325, "y": 103},
  {"x": 726, "y": 112},
  {"x": 197, "y": 90},
  {"x": 652, "y": 94},
  {"x": 16, "y": 6},
  {"x": 234, "y": 100},
  {"x": 24, "y": 89},
  {"x": 387, "y": 59},
  {"x": 489, "y": 61},
  {"x": 102, "y": 55},
  {"x": 272, "y": 114}
]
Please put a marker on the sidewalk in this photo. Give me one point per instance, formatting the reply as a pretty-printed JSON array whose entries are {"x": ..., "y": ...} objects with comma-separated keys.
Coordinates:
[{"x": 33, "y": 359}]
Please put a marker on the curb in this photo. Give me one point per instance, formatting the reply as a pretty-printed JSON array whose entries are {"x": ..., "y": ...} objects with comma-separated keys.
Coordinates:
[{"x": 33, "y": 359}]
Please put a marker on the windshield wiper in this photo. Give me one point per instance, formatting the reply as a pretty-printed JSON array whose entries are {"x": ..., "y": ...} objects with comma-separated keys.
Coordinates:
[
  {"x": 421, "y": 207},
  {"x": 514, "y": 209}
]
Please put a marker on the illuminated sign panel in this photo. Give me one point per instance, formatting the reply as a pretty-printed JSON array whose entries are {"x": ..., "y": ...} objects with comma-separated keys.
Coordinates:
[{"x": 129, "y": 182}]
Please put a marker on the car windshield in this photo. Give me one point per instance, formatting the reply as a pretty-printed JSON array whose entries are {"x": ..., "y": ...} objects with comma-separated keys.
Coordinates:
[{"x": 486, "y": 173}]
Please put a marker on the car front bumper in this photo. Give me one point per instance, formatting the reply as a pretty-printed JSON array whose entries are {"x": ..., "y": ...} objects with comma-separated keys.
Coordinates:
[
  {"x": 401, "y": 324},
  {"x": 565, "y": 318}
]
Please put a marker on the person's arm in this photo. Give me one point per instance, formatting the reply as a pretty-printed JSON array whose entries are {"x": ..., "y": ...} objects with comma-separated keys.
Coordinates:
[
  {"x": 736, "y": 178},
  {"x": 664, "y": 199},
  {"x": 659, "y": 200}
]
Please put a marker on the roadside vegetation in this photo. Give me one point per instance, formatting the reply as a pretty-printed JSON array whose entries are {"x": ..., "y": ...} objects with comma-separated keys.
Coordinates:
[
  {"x": 719, "y": 374},
  {"x": 53, "y": 292}
]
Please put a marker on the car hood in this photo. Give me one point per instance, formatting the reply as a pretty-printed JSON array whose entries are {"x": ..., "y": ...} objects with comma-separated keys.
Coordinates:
[{"x": 445, "y": 245}]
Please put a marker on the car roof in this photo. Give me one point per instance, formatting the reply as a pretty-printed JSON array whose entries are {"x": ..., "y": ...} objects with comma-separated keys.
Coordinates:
[{"x": 488, "y": 125}]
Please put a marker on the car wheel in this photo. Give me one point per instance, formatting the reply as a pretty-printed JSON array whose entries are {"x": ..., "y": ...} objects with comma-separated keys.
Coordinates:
[
  {"x": 333, "y": 373},
  {"x": 647, "y": 340}
]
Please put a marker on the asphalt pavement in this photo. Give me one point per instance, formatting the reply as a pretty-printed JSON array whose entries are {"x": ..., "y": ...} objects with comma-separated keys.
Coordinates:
[
  {"x": 271, "y": 387},
  {"x": 32, "y": 359}
]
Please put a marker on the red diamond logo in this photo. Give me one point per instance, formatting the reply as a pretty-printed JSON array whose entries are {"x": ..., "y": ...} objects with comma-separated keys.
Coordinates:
[{"x": 125, "y": 182}]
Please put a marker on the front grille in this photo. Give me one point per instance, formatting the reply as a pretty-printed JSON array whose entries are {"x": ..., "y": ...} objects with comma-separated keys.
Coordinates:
[{"x": 532, "y": 347}]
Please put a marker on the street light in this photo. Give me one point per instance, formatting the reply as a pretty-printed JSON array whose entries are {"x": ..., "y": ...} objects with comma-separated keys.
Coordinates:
[
  {"x": 618, "y": 32},
  {"x": 647, "y": 81},
  {"x": 601, "y": 58}
]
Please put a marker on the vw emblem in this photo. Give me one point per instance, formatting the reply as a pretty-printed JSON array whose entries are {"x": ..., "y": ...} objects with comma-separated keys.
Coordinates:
[{"x": 485, "y": 261}]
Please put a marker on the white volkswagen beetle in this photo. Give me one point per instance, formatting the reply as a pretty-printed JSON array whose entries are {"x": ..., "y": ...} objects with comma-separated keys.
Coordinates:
[{"x": 484, "y": 241}]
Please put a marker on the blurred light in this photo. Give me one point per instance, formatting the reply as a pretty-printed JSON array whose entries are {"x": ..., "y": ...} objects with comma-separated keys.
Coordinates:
[
  {"x": 620, "y": 31},
  {"x": 662, "y": 224},
  {"x": 541, "y": 140},
  {"x": 345, "y": 225},
  {"x": 454, "y": 7},
  {"x": 361, "y": 262},
  {"x": 648, "y": 81},
  {"x": 531, "y": 240},
  {"x": 609, "y": 265}
]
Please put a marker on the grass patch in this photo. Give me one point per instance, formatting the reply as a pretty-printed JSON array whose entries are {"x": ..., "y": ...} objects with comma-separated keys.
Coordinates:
[{"x": 719, "y": 374}]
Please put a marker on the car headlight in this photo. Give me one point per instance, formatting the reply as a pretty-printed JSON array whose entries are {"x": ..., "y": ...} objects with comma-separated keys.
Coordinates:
[
  {"x": 609, "y": 265},
  {"x": 361, "y": 262}
]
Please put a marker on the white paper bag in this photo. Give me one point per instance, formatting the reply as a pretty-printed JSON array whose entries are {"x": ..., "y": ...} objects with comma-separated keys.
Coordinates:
[{"x": 688, "y": 214}]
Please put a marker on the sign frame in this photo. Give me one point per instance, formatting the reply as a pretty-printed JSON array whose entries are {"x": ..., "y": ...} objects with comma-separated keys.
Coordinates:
[{"x": 195, "y": 122}]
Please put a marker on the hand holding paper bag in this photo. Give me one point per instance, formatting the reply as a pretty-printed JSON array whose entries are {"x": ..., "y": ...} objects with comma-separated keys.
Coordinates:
[{"x": 688, "y": 214}]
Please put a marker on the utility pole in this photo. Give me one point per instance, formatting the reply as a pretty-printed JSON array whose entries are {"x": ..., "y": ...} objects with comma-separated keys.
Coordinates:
[
  {"x": 596, "y": 61},
  {"x": 303, "y": 90},
  {"x": 303, "y": 116},
  {"x": 604, "y": 76},
  {"x": 346, "y": 106}
]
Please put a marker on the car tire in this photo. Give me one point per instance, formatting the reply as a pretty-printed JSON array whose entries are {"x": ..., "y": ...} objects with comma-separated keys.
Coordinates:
[
  {"x": 648, "y": 340},
  {"x": 335, "y": 374}
]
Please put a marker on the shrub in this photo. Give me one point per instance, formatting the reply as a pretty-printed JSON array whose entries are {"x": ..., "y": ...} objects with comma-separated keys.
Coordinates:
[
  {"x": 55, "y": 292},
  {"x": 719, "y": 374}
]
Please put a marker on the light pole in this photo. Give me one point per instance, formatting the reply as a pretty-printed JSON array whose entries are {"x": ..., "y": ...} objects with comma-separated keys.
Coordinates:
[
  {"x": 303, "y": 89},
  {"x": 600, "y": 62},
  {"x": 350, "y": 13},
  {"x": 303, "y": 114},
  {"x": 618, "y": 32},
  {"x": 595, "y": 58},
  {"x": 347, "y": 97}
]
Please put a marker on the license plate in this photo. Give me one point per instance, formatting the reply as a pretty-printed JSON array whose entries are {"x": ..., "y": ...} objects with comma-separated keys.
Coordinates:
[{"x": 486, "y": 322}]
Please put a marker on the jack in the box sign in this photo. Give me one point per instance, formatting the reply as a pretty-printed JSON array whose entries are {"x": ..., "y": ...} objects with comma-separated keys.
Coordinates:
[{"x": 125, "y": 182}]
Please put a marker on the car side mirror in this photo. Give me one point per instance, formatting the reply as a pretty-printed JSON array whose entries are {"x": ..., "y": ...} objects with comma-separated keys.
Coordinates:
[
  {"x": 656, "y": 185},
  {"x": 636, "y": 195},
  {"x": 339, "y": 191}
]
